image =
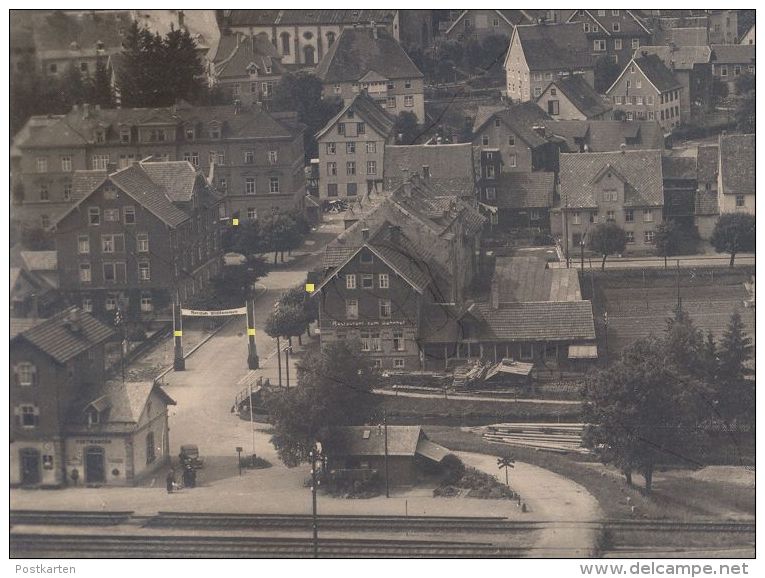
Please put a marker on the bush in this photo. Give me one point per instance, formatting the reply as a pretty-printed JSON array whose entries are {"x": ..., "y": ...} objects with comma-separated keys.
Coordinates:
[
  {"x": 446, "y": 492},
  {"x": 454, "y": 469},
  {"x": 479, "y": 485},
  {"x": 253, "y": 462}
]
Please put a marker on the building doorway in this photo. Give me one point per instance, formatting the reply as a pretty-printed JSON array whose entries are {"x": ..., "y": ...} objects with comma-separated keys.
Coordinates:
[
  {"x": 309, "y": 55},
  {"x": 95, "y": 467},
  {"x": 30, "y": 467}
]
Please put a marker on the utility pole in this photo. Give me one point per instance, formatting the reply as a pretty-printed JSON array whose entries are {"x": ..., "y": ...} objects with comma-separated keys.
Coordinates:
[
  {"x": 387, "y": 481},
  {"x": 179, "y": 363},
  {"x": 252, "y": 351},
  {"x": 679, "y": 299},
  {"x": 252, "y": 421},
  {"x": 279, "y": 358},
  {"x": 287, "y": 363}
]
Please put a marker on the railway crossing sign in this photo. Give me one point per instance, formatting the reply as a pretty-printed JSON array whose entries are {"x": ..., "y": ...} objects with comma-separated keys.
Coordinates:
[{"x": 506, "y": 463}]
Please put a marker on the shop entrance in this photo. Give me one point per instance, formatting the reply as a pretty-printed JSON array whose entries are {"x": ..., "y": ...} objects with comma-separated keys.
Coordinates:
[
  {"x": 30, "y": 467},
  {"x": 95, "y": 470}
]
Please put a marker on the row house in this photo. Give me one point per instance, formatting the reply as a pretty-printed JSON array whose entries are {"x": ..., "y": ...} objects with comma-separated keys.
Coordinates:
[
  {"x": 372, "y": 60},
  {"x": 736, "y": 174},
  {"x": 571, "y": 98},
  {"x": 648, "y": 90},
  {"x": 623, "y": 187},
  {"x": 541, "y": 53},
  {"x": 613, "y": 33},
  {"x": 731, "y": 61},
  {"x": 520, "y": 201},
  {"x": 245, "y": 68},
  {"x": 679, "y": 171},
  {"x": 477, "y": 24},
  {"x": 139, "y": 237},
  {"x": 257, "y": 157},
  {"x": 414, "y": 249},
  {"x": 707, "y": 209},
  {"x": 351, "y": 149},
  {"x": 304, "y": 37}
]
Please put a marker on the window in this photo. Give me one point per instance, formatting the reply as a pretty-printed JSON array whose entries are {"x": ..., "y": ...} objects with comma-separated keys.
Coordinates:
[
  {"x": 740, "y": 200},
  {"x": 126, "y": 160},
  {"x": 647, "y": 216},
  {"x": 142, "y": 242},
  {"x": 364, "y": 338},
  {"x": 610, "y": 216},
  {"x": 150, "y": 453},
  {"x": 331, "y": 148},
  {"x": 144, "y": 271},
  {"x": 129, "y": 215},
  {"x": 736, "y": 70},
  {"x": 527, "y": 351},
  {"x": 350, "y": 281},
  {"x": 535, "y": 215},
  {"x": 249, "y": 185},
  {"x": 94, "y": 216},
  {"x": 273, "y": 184},
  {"x": 601, "y": 12},
  {"x": 350, "y": 168},
  {"x": 648, "y": 236},
  {"x": 398, "y": 363},
  {"x": 236, "y": 89},
  {"x": 249, "y": 157},
  {"x": 112, "y": 243},
  {"x": 100, "y": 162},
  {"x": 26, "y": 373},
  {"x": 407, "y": 84},
  {"x": 615, "y": 26},
  {"x": 384, "y": 281},
  {"x": 586, "y": 26},
  {"x": 66, "y": 164},
  {"x": 252, "y": 213},
  {"x": 371, "y": 167},
  {"x": 390, "y": 102},
  {"x": 85, "y": 276},
  {"x": 44, "y": 194},
  {"x": 367, "y": 281},
  {"x": 512, "y": 160},
  {"x": 385, "y": 308},
  {"x": 491, "y": 193},
  {"x": 332, "y": 190},
  {"x": 214, "y": 131},
  {"x": 112, "y": 215},
  {"x": 635, "y": 43},
  {"x": 629, "y": 216},
  {"x": 511, "y": 140},
  {"x": 617, "y": 43},
  {"x": 610, "y": 196},
  {"x": 361, "y": 128},
  {"x": 273, "y": 157},
  {"x": 599, "y": 45},
  {"x": 490, "y": 171},
  {"x": 83, "y": 244},
  {"x": 630, "y": 235},
  {"x": 576, "y": 217},
  {"x": 29, "y": 416},
  {"x": 366, "y": 257},
  {"x": 537, "y": 91},
  {"x": 398, "y": 341},
  {"x": 553, "y": 107},
  {"x": 125, "y": 135},
  {"x": 371, "y": 147},
  {"x": 331, "y": 169},
  {"x": 111, "y": 303},
  {"x": 350, "y": 148},
  {"x": 352, "y": 309},
  {"x": 341, "y": 128},
  {"x": 285, "y": 37},
  {"x": 409, "y": 101},
  {"x": 100, "y": 135},
  {"x": 639, "y": 83},
  {"x": 87, "y": 305},
  {"x": 53, "y": 68}
]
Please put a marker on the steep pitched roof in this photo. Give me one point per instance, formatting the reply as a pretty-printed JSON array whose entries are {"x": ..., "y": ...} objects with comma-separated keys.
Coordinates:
[
  {"x": 693, "y": 35},
  {"x": 40, "y": 260},
  {"x": 582, "y": 95},
  {"x": 678, "y": 57},
  {"x": 85, "y": 182},
  {"x": 733, "y": 53},
  {"x": 512, "y": 17},
  {"x": 526, "y": 279},
  {"x": 359, "y": 51},
  {"x": 62, "y": 33},
  {"x": 640, "y": 168},
  {"x": 525, "y": 190},
  {"x": 370, "y": 440},
  {"x": 67, "y": 334},
  {"x": 608, "y": 135},
  {"x": 707, "y": 163},
  {"x": 246, "y": 52},
  {"x": 447, "y": 164},
  {"x": 368, "y": 110},
  {"x": 176, "y": 177},
  {"x": 738, "y": 163},
  {"x": 555, "y": 46},
  {"x": 520, "y": 118},
  {"x": 306, "y": 16},
  {"x": 656, "y": 72}
]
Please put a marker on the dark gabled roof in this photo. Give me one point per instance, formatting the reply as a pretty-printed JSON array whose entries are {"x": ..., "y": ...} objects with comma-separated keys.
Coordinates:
[
  {"x": 678, "y": 168},
  {"x": 450, "y": 163},
  {"x": 85, "y": 182},
  {"x": 176, "y": 177},
  {"x": 629, "y": 22},
  {"x": 693, "y": 35},
  {"x": 67, "y": 334},
  {"x": 537, "y": 321},
  {"x": 357, "y": 52},
  {"x": 582, "y": 95},
  {"x": 679, "y": 57},
  {"x": 656, "y": 72},
  {"x": 733, "y": 53},
  {"x": 306, "y": 16},
  {"x": 369, "y": 111},
  {"x": 738, "y": 163},
  {"x": 525, "y": 190},
  {"x": 706, "y": 202},
  {"x": 555, "y": 46},
  {"x": 526, "y": 279},
  {"x": 520, "y": 118},
  {"x": 708, "y": 163},
  {"x": 641, "y": 169},
  {"x": 137, "y": 183},
  {"x": 66, "y": 33},
  {"x": 512, "y": 17},
  {"x": 247, "y": 51},
  {"x": 370, "y": 440},
  {"x": 609, "y": 135}
]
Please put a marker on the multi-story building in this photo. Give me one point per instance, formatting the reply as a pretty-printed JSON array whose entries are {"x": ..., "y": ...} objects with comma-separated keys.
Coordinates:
[
  {"x": 691, "y": 66},
  {"x": 370, "y": 59},
  {"x": 679, "y": 170},
  {"x": 613, "y": 33},
  {"x": 258, "y": 157},
  {"x": 624, "y": 187},
  {"x": 729, "y": 61},
  {"x": 723, "y": 26},
  {"x": 303, "y": 37},
  {"x": 749, "y": 36},
  {"x": 606, "y": 135},
  {"x": 736, "y": 175},
  {"x": 351, "y": 150},
  {"x": 477, "y": 24},
  {"x": 136, "y": 237},
  {"x": 51, "y": 360},
  {"x": 450, "y": 169},
  {"x": 414, "y": 249},
  {"x": 571, "y": 98},
  {"x": 647, "y": 90},
  {"x": 541, "y": 53},
  {"x": 245, "y": 68}
]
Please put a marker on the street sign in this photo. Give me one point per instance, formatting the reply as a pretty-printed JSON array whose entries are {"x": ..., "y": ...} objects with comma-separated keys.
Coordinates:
[{"x": 214, "y": 313}]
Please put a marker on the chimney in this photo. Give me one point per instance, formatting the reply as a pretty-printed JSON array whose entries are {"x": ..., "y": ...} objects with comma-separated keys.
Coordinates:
[
  {"x": 374, "y": 30},
  {"x": 426, "y": 172},
  {"x": 495, "y": 292},
  {"x": 623, "y": 147},
  {"x": 237, "y": 106},
  {"x": 85, "y": 110},
  {"x": 365, "y": 234}
]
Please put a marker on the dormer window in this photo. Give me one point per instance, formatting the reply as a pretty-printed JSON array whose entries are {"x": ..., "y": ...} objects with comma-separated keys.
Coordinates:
[
  {"x": 268, "y": 69},
  {"x": 252, "y": 69},
  {"x": 94, "y": 416},
  {"x": 190, "y": 133},
  {"x": 125, "y": 134},
  {"x": 215, "y": 130},
  {"x": 100, "y": 135},
  {"x": 26, "y": 374}
]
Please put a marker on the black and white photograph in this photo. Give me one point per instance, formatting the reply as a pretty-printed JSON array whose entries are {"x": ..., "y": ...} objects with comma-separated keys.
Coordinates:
[{"x": 369, "y": 282}]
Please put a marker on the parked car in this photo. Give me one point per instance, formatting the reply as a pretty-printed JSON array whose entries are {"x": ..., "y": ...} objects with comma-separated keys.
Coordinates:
[{"x": 190, "y": 456}]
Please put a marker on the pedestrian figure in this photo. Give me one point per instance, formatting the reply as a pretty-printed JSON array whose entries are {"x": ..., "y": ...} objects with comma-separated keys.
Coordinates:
[
  {"x": 193, "y": 477},
  {"x": 187, "y": 473},
  {"x": 170, "y": 481}
]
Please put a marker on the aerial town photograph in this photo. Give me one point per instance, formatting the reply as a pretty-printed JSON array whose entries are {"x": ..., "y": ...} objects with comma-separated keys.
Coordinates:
[{"x": 382, "y": 283}]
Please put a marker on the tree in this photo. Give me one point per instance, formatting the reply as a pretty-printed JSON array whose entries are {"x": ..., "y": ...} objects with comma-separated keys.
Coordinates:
[
  {"x": 279, "y": 233},
  {"x": 745, "y": 83},
  {"x": 668, "y": 238},
  {"x": 101, "y": 89},
  {"x": 406, "y": 128},
  {"x": 234, "y": 285},
  {"x": 734, "y": 232},
  {"x": 746, "y": 111},
  {"x": 334, "y": 390},
  {"x": 607, "y": 239},
  {"x": 735, "y": 350},
  {"x": 494, "y": 48},
  {"x": 606, "y": 73},
  {"x": 684, "y": 344},
  {"x": 299, "y": 297},
  {"x": 286, "y": 321}
]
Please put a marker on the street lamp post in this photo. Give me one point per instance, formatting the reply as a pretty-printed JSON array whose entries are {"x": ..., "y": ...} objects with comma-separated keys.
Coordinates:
[
  {"x": 318, "y": 460},
  {"x": 239, "y": 458}
]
